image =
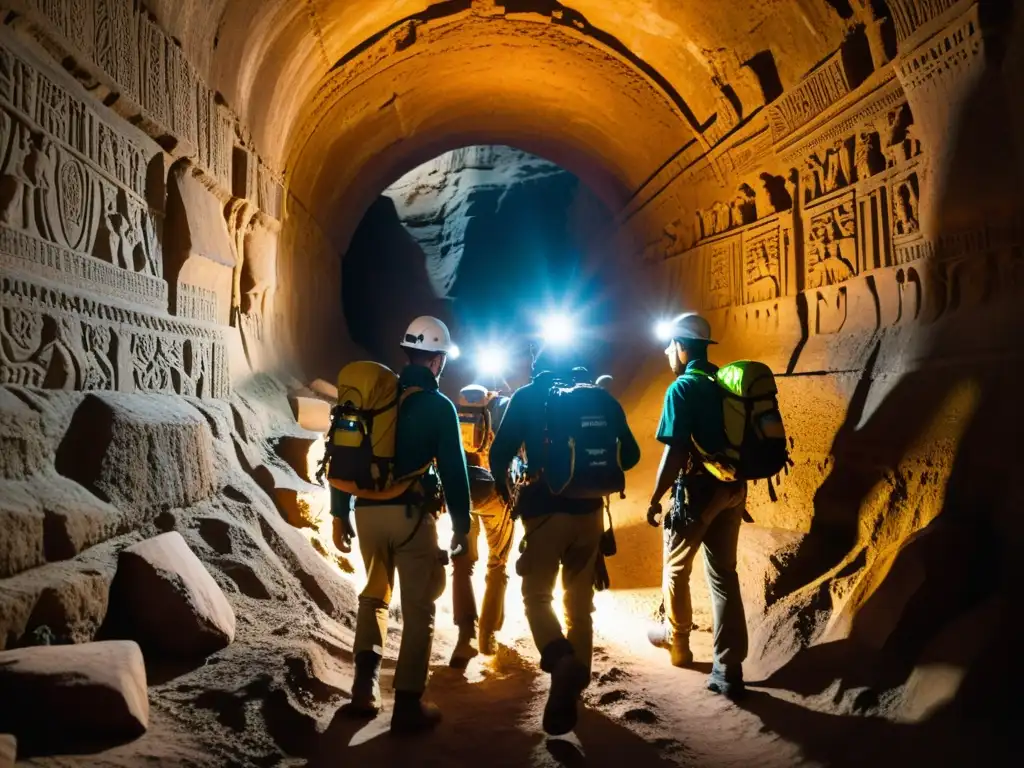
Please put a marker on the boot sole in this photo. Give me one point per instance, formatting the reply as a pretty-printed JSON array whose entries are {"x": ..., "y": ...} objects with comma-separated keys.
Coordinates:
[{"x": 560, "y": 712}]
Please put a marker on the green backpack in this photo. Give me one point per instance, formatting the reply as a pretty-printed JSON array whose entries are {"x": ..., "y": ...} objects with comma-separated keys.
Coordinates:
[{"x": 755, "y": 439}]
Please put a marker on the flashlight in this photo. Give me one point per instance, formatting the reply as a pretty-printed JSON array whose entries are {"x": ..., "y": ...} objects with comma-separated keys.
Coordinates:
[
  {"x": 492, "y": 361},
  {"x": 557, "y": 329},
  {"x": 663, "y": 330}
]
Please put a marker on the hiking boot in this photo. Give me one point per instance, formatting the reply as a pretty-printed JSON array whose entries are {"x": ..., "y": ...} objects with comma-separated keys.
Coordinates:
[
  {"x": 568, "y": 679},
  {"x": 661, "y": 636},
  {"x": 727, "y": 680},
  {"x": 465, "y": 648},
  {"x": 412, "y": 714},
  {"x": 366, "y": 699}
]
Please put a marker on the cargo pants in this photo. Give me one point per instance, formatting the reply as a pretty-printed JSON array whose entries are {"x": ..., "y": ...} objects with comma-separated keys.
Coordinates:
[
  {"x": 399, "y": 538},
  {"x": 498, "y": 527},
  {"x": 569, "y": 541},
  {"x": 716, "y": 513}
]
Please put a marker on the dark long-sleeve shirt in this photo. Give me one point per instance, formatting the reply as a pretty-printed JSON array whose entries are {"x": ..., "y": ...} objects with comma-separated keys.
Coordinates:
[
  {"x": 428, "y": 430},
  {"x": 523, "y": 426}
]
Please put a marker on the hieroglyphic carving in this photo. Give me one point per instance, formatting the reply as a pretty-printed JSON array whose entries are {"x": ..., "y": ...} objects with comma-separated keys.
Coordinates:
[
  {"x": 61, "y": 339},
  {"x": 909, "y": 15},
  {"x": 762, "y": 264},
  {"x": 813, "y": 95},
  {"x": 196, "y": 303},
  {"x": 957, "y": 46},
  {"x": 831, "y": 247},
  {"x": 32, "y": 255},
  {"x": 271, "y": 192},
  {"x": 71, "y": 180},
  {"x": 155, "y": 90},
  {"x": 905, "y": 194},
  {"x": 721, "y": 272}
]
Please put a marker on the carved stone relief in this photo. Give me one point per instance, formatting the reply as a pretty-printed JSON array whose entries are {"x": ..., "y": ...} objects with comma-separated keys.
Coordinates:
[
  {"x": 721, "y": 273},
  {"x": 762, "y": 265},
  {"x": 905, "y": 193},
  {"x": 831, "y": 243}
]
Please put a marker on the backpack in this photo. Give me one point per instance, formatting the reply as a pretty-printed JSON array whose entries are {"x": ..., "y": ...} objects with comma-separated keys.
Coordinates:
[
  {"x": 755, "y": 439},
  {"x": 581, "y": 442},
  {"x": 475, "y": 420},
  {"x": 360, "y": 448}
]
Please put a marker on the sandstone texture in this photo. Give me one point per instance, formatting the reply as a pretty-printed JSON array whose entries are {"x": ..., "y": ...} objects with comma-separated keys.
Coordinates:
[
  {"x": 74, "y": 695},
  {"x": 169, "y": 600},
  {"x": 207, "y": 207}
]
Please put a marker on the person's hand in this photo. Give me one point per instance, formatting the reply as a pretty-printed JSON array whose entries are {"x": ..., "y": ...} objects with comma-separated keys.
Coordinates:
[
  {"x": 654, "y": 514},
  {"x": 460, "y": 544},
  {"x": 342, "y": 533}
]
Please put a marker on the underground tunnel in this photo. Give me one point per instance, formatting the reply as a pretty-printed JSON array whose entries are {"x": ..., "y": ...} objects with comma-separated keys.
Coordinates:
[{"x": 208, "y": 209}]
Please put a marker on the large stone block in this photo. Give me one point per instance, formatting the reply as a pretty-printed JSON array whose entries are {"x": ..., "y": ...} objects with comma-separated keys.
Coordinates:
[
  {"x": 139, "y": 451},
  {"x": 167, "y": 599},
  {"x": 311, "y": 412},
  {"x": 8, "y": 750},
  {"x": 22, "y": 450},
  {"x": 70, "y": 697}
]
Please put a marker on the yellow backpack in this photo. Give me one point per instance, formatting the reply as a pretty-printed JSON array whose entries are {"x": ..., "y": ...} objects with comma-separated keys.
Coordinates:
[
  {"x": 360, "y": 451},
  {"x": 473, "y": 405}
]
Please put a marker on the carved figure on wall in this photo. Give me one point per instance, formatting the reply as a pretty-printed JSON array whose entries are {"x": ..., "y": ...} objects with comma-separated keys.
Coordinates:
[
  {"x": 831, "y": 251},
  {"x": 904, "y": 206},
  {"x": 813, "y": 178},
  {"x": 779, "y": 197},
  {"x": 901, "y": 142},
  {"x": 99, "y": 370},
  {"x": 868, "y": 158},
  {"x": 19, "y": 175},
  {"x": 719, "y": 284},
  {"x": 744, "y": 206},
  {"x": 762, "y": 270},
  {"x": 721, "y": 217}
]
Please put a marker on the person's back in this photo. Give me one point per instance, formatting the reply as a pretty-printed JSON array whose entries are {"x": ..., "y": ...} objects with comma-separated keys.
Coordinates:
[
  {"x": 705, "y": 512},
  {"x": 400, "y": 533},
  {"x": 561, "y": 533}
]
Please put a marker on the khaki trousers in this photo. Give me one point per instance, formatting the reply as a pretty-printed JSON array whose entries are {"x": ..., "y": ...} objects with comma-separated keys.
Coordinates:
[
  {"x": 498, "y": 527},
  {"x": 390, "y": 538},
  {"x": 572, "y": 542},
  {"x": 719, "y": 511}
]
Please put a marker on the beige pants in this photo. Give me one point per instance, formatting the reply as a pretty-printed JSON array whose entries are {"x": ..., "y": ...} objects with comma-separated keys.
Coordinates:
[
  {"x": 718, "y": 509},
  {"x": 572, "y": 542},
  {"x": 389, "y": 539},
  {"x": 497, "y": 524}
]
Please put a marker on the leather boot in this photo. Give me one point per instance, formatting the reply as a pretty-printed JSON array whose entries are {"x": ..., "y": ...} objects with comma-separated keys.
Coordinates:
[
  {"x": 568, "y": 679},
  {"x": 412, "y": 714},
  {"x": 662, "y": 636},
  {"x": 492, "y": 610},
  {"x": 366, "y": 699},
  {"x": 465, "y": 648}
]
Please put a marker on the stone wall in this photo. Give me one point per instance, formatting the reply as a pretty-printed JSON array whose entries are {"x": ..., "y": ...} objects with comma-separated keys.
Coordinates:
[
  {"x": 862, "y": 234},
  {"x": 140, "y": 228}
]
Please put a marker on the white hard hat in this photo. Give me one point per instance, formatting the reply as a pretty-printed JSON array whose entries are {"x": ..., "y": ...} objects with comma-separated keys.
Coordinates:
[
  {"x": 687, "y": 326},
  {"x": 431, "y": 335}
]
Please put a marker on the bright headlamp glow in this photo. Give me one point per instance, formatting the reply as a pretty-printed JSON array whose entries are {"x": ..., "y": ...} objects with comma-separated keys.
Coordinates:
[
  {"x": 557, "y": 329},
  {"x": 663, "y": 330},
  {"x": 492, "y": 361},
  {"x": 454, "y": 352}
]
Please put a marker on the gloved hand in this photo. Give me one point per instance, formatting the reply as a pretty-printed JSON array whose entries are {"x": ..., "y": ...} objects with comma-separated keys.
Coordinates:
[
  {"x": 460, "y": 544},
  {"x": 342, "y": 533},
  {"x": 654, "y": 514}
]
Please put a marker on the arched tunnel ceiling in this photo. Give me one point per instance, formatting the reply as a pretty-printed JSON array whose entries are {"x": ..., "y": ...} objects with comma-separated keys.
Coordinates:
[{"x": 336, "y": 91}]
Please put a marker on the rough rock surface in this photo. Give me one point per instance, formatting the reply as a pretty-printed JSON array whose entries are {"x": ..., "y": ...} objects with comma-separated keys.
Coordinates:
[
  {"x": 73, "y": 696},
  {"x": 138, "y": 451},
  {"x": 437, "y": 200},
  {"x": 169, "y": 602},
  {"x": 8, "y": 750}
]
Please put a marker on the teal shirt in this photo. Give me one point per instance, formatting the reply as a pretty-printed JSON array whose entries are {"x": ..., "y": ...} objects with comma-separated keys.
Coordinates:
[
  {"x": 428, "y": 430},
  {"x": 523, "y": 426},
  {"x": 693, "y": 409}
]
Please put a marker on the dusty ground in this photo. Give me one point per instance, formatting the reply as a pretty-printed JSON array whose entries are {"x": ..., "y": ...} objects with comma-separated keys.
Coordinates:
[{"x": 271, "y": 698}]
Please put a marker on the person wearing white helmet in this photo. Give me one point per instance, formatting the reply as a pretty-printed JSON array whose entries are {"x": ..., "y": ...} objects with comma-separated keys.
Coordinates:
[
  {"x": 705, "y": 512},
  {"x": 400, "y": 534}
]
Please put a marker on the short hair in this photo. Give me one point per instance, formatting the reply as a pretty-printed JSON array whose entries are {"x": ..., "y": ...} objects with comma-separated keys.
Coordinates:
[
  {"x": 421, "y": 356},
  {"x": 696, "y": 348}
]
